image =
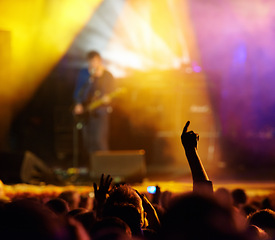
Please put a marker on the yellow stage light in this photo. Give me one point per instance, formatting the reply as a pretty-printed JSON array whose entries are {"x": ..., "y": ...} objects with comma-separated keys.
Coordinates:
[{"x": 34, "y": 35}]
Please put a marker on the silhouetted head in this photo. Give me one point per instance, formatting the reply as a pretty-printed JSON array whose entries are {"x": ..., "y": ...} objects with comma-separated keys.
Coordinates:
[
  {"x": 93, "y": 54},
  {"x": 193, "y": 217},
  {"x": 77, "y": 211},
  {"x": 264, "y": 219},
  {"x": 125, "y": 195},
  {"x": 58, "y": 206},
  {"x": 72, "y": 198},
  {"x": 223, "y": 196},
  {"x": 95, "y": 65},
  {"x": 87, "y": 219},
  {"x": 111, "y": 228},
  {"x": 239, "y": 197},
  {"x": 266, "y": 203},
  {"x": 30, "y": 219},
  {"x": 249, "y": 209},
  {"x": 128, "y": 213},
  {"x": 255, "y": 233}
]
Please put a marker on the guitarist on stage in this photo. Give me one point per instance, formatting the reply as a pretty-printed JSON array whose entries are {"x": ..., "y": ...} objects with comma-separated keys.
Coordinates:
[{"x": 94, "y": 83}]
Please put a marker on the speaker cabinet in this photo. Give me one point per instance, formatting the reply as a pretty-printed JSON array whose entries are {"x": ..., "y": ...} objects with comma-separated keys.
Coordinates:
[
  {"x": 25, "y": 168},
  {"x": 127, "y": 165}
]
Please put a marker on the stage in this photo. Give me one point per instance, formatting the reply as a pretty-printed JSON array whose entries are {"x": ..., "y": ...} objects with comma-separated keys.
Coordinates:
[{"x": 185, "y": 66}]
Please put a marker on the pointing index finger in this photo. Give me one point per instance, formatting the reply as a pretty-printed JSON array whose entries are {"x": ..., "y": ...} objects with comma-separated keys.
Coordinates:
[{"x": 186, "y": 127}]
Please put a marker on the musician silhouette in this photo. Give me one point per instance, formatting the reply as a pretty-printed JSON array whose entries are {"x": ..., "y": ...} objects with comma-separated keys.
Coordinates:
[{"x": 94, "y": 83}]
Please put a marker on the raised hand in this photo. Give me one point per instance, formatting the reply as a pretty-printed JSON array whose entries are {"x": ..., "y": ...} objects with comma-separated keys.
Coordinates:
[
  {"x": 201, "y": 181},
  {"x": 101, "y": 192},
  {"x": 189, "y": 139}
]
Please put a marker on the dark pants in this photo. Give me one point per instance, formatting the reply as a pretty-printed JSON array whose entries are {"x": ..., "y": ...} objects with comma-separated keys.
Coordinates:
[{"x": 95, "y": 132}]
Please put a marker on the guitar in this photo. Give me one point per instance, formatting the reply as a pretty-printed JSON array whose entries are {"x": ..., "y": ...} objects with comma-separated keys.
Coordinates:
[{"x": 89, "y": 108}]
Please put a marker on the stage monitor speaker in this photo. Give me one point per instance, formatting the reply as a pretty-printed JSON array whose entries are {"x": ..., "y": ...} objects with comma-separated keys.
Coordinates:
[
  {"x": 125, "y": 165},
  {"x": 25, "y": 168}
]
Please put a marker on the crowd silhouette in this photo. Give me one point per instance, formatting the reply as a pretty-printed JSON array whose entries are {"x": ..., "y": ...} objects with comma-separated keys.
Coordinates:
[{"x": 120, "y": 212}]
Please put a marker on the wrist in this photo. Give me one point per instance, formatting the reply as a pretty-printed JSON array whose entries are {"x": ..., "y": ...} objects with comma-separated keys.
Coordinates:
[{"x": 190, "y": 149}]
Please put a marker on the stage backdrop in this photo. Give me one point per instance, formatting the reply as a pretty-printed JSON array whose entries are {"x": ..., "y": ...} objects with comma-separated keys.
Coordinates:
[{"x": 229, "y": 44}]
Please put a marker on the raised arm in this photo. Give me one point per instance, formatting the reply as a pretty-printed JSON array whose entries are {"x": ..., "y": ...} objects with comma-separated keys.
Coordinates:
[
  {"x": 152, "y": 215},
  {"x": 101, "y": 193},
  {"x": 201, "y": 183}
]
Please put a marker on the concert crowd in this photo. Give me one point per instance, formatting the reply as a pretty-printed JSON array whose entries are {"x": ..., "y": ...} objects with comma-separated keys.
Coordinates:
[{"x": 119, "y": 212}]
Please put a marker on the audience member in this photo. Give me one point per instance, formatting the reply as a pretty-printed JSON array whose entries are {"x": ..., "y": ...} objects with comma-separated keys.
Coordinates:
[
  {"x": 224, "y": 197},
  {"x": 72, "y": 198},
  {"x": 201, "y": 183},
  {"x": 87, "y": 219},
  {"x": 30, "y": 219},
  {"x": 239, "y": 197},
  {"x": 111, "y": 228},
  {"x": 59, "y": 206},
  {"x": 121, "y": 213},
  {"x": 194, "y": 216},
  {"x": 128, "y": 213},
  {"x": 255, "y": 233},
  {"x": 77, "y": 211},
  {"x": 264, "y": 219}
]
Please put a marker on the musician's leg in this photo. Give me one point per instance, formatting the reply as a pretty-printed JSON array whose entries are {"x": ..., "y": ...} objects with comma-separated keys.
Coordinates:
[
  {"x": 97, "y": 133},
  {"x": 103, "y": 137}
]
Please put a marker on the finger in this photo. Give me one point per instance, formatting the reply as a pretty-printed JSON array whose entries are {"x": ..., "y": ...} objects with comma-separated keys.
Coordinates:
[
  {"x": 102, "y": 179},
  {"x": 107, "y": 179},
  {"x": 107, "y": 182},
  {"x": 95, "y": 188},
  {"x": 186, "y": 127},
  {"x": 191, "y": 133},
  {"x": 110, "y": 181}
]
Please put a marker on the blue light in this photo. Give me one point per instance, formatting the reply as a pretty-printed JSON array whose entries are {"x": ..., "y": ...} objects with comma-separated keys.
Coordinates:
[{"x": 151, "y": 189}]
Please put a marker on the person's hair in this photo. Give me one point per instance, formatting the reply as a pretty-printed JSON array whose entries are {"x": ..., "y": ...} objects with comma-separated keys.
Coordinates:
[
  {"x": 29, "y": 219},
  {"x": 58, "y": 206},
  {"x": 239, "y": 196},
  {"x": 264, "y": 219},
  {"x": 124, "y": 194},
  {"x": 192, "y": 217},
  {"x": 87, "y": 219},
  {"x": 223, "y": 197},
  {"x": 93, "y": 54},
  {"x": 110, "y": 228},
  {"x": 254, "y": 232},
  {"x": 124, "y": 202},
  {"x": 77, "y": 211},
  {"x": 128, "y": 213},
  {"x": 266, "y": 203},
  {"x": 69, "y": 197},
  {"x": 248, "y": 209}
]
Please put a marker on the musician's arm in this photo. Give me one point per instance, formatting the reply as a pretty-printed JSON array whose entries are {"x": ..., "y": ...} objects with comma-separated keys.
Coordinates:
[
  {"x": 81, "y": 81},
  {"x": 79, "y": 91}
]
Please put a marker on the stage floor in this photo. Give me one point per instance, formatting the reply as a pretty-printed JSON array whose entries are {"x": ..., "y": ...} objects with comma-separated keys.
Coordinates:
[
  {"x": 253, "y": 189},
  {"x": 176, "y": 180}
]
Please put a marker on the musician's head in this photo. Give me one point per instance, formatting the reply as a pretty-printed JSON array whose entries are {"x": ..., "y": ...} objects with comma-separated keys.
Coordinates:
[{"x": 94, "y": 63}]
